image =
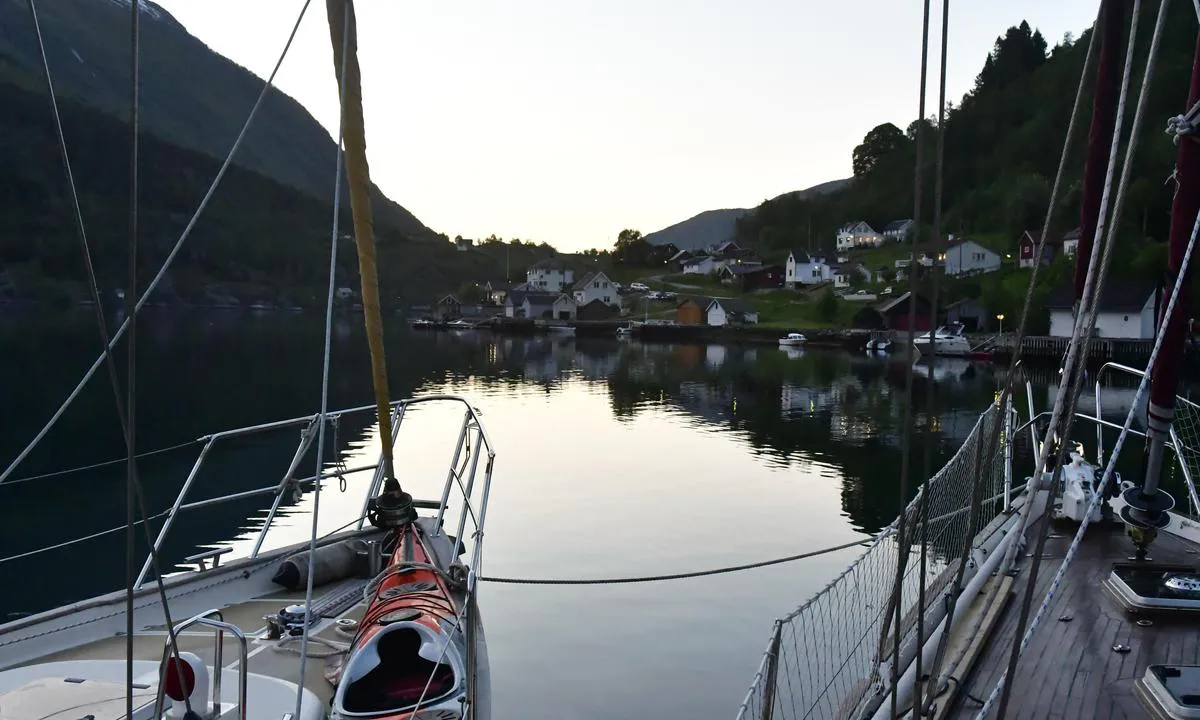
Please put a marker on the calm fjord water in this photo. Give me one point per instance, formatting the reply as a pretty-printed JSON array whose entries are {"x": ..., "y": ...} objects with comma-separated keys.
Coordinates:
[{"x": 613, "y": 458}]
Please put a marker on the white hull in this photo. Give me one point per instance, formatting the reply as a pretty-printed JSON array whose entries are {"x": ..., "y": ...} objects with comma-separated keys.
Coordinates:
[
  {"x": 950, "y": 347},
  {"x": 85, "y": 641}
]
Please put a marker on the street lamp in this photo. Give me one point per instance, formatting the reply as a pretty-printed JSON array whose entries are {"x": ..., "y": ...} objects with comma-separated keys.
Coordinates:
[{"x": 1000, "y": 317}]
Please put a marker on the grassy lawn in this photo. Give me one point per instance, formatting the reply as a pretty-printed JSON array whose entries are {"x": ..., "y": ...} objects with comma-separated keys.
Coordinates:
[{"x": 885, "y": 256}]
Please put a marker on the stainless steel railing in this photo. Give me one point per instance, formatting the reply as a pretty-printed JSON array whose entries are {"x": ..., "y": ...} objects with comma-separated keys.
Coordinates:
[
  {"x": 462, "y": 486},
  {"x": 474, "y": 501}
]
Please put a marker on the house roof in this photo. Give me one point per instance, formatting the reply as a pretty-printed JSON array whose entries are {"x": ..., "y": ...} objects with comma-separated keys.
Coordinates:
[
  {"x": 799, "y": 256},
  {"x": 1115, "y": 296},
  {"x": 897, "y": 225},
  {"x": 587, "y": 279},
  {"x": 969, "y": 241},
  {"x": 888, "y": 306},
  {"x": 748, "y": 268},
  {"x": 963, "y": 303},
  {"x": 960, "y": 303},
  {"x": 1035, "y": 236},
  {"x": 1072, "y": 234},
  {"x": 549, "y": 264},
  {"x": 680, "y": 256},
  {"x": 729, "y": 305},
  {"x": 449, "y": 299},
  {"x": 727, "y": 245},
  {"x": 518, "y": 297}
]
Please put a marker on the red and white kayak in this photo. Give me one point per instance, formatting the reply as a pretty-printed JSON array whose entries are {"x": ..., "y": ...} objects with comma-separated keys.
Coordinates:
[{"x": 411, "y": 656}]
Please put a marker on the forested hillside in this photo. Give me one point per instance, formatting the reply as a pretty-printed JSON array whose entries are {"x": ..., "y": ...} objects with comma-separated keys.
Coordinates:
[
  {"x": 259, "y": 239},
  {"x": 1003, "y": 140},
  {"x": 190, "y": 96}
]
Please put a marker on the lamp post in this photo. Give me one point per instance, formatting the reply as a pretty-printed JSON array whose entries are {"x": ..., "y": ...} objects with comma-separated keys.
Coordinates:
[{"x": 1000, "y": 317}]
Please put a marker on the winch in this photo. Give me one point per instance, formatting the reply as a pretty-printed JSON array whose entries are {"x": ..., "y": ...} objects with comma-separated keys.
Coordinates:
[{"x": 288, "y": 621}]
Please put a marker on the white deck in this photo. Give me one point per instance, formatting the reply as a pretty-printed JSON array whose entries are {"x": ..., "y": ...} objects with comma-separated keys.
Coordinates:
[{"x": 87, "y": 640}]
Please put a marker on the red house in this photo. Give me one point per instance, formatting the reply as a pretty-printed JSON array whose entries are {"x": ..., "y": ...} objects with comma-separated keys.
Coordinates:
[
  {"x": 1027, "y": 246},
  {"x": 747, "y": 277},
  {"x": 895, "y": 313}
]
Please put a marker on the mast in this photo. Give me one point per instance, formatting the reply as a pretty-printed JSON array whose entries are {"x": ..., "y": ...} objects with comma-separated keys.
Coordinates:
[
  {"x": 342, "y": 24},
  {"x": 1104, "y": 118},
  {"x": 1148, "y": 503}
]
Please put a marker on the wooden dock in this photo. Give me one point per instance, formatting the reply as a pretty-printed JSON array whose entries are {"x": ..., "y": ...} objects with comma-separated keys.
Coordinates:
[{"x": 1052, "y": 349}]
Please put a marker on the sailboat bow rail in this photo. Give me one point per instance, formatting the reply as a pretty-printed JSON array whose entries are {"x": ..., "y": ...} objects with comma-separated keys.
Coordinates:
[{"x": 472, "y": 493}]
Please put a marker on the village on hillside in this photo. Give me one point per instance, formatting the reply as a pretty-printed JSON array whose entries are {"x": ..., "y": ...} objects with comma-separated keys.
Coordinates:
[{"x": 862, "y": 285}]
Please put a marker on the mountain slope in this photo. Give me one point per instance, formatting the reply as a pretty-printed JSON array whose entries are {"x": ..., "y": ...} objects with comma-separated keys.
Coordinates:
[
  {"x": 708, "y": 228},
  {"x": 190, "y": 96},
  {"x": 712, "y": 227},
  {"x": 258, "y": 239}
]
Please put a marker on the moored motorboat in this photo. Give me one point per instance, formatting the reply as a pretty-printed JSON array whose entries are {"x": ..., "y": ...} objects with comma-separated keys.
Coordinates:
[
  {"x": 947, "y": 340},
  {"x": 792, "y": 340}
]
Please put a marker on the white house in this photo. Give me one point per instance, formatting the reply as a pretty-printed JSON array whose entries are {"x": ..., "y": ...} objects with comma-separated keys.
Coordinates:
[
  {"x": 899, "y": 230},
  {"x": 846, "y": 273},
  {"x": 556, "y": 306},
  {"x": 724, "y": 311},
  {"x": 1071, "y": 243},
  {"x": 858, "y": 235},
  {"x": 1125, "y": 311},
  {"x": 550, "y": 276},
  {"x": 701, "y": 265},
  {"x": 596, "y": 286},
  {"x": 924, "y": 260},
  {"x": 538, "y": 305},
  {"x": 967, "y": 257},
  {"x": 805, "y": 269},
  {"x": 841, "y": 276}
]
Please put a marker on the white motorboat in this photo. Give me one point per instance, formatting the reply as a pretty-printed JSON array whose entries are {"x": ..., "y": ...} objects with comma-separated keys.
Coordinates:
[
  {"x": 879, "y": 342},
  {"x": 947, "y": 340},
  {"x": 792, "y": 340}
]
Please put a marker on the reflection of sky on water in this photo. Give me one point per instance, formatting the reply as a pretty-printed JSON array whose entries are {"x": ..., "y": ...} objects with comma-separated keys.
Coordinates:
[{"x": 613, "y": 458}]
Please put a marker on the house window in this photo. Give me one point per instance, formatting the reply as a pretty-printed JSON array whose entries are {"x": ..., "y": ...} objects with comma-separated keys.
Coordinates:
[
  {"x": 607, "y": 300},
  {"x": 596, "y": 284}
]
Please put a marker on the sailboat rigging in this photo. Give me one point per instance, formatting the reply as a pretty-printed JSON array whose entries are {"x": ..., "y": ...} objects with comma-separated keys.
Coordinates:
[{"x": 959, "y": 621}]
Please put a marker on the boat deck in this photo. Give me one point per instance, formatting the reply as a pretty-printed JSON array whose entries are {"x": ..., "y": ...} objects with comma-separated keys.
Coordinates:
[
  {"x": 265, "y": 657},
  {"x": 273, "y": 665},
  {"x": 1070, "y": 669}
]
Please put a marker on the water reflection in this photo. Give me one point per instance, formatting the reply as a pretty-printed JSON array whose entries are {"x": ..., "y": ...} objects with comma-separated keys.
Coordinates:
[{"x": 614, "y": 458}]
